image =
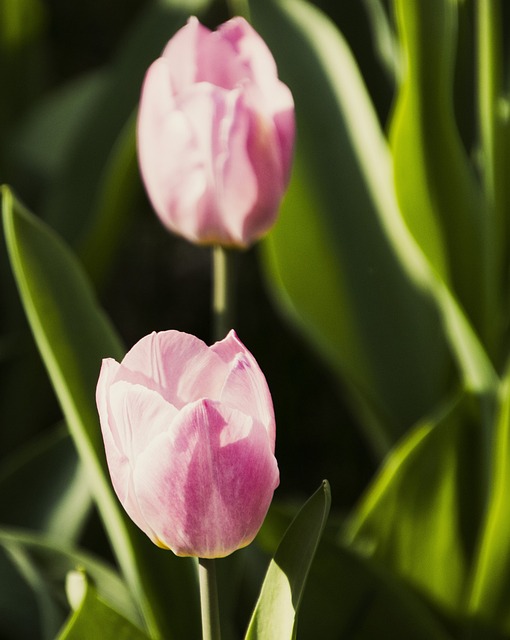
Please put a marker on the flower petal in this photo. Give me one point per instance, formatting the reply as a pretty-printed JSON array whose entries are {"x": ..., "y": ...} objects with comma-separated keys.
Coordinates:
[
  {"x": 119, "y": 463},
  {"x": 181, "y": 52},
  {"x": 206, "y": 487},
  {"x": 246, "y": 387},
  {"x": 181, "y": 367},
  {"x": 140, "y": 414}
]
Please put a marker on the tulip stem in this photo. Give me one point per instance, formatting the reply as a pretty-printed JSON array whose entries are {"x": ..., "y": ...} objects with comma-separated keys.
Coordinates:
[
  {"x": 222, "y": 293},
  {"x": 209, "y": 599}
]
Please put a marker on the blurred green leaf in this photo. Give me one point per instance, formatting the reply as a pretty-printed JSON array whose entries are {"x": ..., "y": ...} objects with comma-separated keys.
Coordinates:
[
  {"x": 49, "y": 611},
  {"x": 42, "y": 140},
  {"x": 82, "y": 185},
  {"x": 276, "y": 612},
  {"x": 341, "y": 260},
  {"x": 51, "y": 559},
  {"x": 120, "y": 187},
  {"x": 96, "y": 618},
  {"x": 57, "y": 502},
  {"x": 330, "y": 259},
  {"x": 73, "y": 335},
  {"x": 420, "y": 516},
  {"x": 351, "y": 598},
  {"x": 19, "y": 613},
  {"x": 436, "y": 187},
  {"x": 491, "y": 571},
  {"x": 20, "y": 20}
]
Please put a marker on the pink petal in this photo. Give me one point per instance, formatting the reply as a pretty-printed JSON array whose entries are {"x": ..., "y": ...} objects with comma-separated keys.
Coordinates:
[
  {"x": 170, "y": 157},
  {"x": 179, "y": 366},
  {"x": 140, "y": 414},
  {"x": 181, "y": 52},
  {"x": 246, "y": 387},
  {"x": 206, "y": 487},
  {"x": 109, "y": 370},
  {"x": 249, "y": 48},
  {"x": 119, "y": 464}
]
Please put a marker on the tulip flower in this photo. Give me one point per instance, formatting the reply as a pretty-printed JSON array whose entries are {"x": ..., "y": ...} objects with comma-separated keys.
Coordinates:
[
  {"x": 215, "y": 134},
  {"x": 189, "y": 435}
]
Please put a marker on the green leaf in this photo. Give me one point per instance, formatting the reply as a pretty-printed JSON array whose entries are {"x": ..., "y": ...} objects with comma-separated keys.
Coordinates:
[
  {"x": 57, "y": 502},
  {"x": 353, "y": 598},
  {"x": 52, "y": 559},
  {"x": 420, "y": 516},
  {"x": 335, "y": 259},
  {"x": 275, "y": 614},
  {"x": 119, "y": 188},
  {"x": 491, "y": 571},
  {"x": 73, "y": 335},
  {"x": 83, "y": 184},
  {"x": 349, "y": 596},
  {"x": 49, "y": 611},
  {"x": 19, "y": 22},
  {"x": 436, "y": 187},
  {"x": 94, "y": 617},
  {"x": 341, "y": 259}
]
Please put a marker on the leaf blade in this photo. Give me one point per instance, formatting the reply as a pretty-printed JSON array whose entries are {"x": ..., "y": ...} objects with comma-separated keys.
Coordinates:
[{"x": 275, "y": 613}]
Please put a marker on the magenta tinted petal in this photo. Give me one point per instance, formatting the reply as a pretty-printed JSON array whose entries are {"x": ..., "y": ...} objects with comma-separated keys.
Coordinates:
[
  {"x": 250, "y": 50},
  {"x": 245, "y": 387},
  {"x": 215, "y": 477}
]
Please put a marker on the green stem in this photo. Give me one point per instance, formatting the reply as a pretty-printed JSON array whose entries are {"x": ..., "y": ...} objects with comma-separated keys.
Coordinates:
[
  {"x": 222, "y": 292},
  {"x": 489, "y": 54},
  {"x": 489, "y": 83},
  {"x": 239, "y": 8},
  {"x": 209, "y": 599}
]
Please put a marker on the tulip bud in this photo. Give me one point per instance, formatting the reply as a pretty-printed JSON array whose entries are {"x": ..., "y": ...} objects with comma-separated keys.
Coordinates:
[
  {"x": 189, "y": 434},
  {"x": 215, "y": 134}
]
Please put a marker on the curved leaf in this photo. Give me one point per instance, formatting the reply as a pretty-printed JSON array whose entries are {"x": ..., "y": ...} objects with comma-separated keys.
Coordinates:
[
  {"x": 94, "y": 617},
  {"x": 436, "y": 187},
  {"x": 73, "y": 335},
  {"x": 51, "y": 559},
  {"x": 420, "y": 516},
  {"x": 341, "y": 259},
  {"x": 490, "y": 582},
  {"x": 57, "y": 502},
  {"x": 275, "y": 614}
]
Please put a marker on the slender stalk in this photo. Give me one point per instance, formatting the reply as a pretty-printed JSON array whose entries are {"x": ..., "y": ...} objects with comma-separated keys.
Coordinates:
[
  {"x": 222, "y": 292},
  {"x": 239, "y": 8},
  {"x": 222, "y": 310},
  {"x": 489, "y": 58},
  {"x": 209, "y": 599},
  {"x": 488, "y": 15}
]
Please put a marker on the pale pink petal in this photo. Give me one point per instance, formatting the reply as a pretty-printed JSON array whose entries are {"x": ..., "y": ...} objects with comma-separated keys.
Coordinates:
[
  {"x": 285, "y": 124},
  {"x": 107, "y": 374},
  {"x": 249, "y": 48},
  {"x": 171, "y": 158},
  {"x": 182, "y": 52},
  {"x": 245, "y": 388},
  {"x": 119, "y": 464},
  {"x": 206, "y": 487},
  {"x": 178, "y": 365},
  {"x": 140, "y": 414},
  {"x": 229, "y": 348}
]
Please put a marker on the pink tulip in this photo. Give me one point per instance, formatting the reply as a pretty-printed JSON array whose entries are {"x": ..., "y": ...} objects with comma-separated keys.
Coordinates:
[
  {"x": 215, "y": 134},
  {"x": 189, "y": 434}
]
